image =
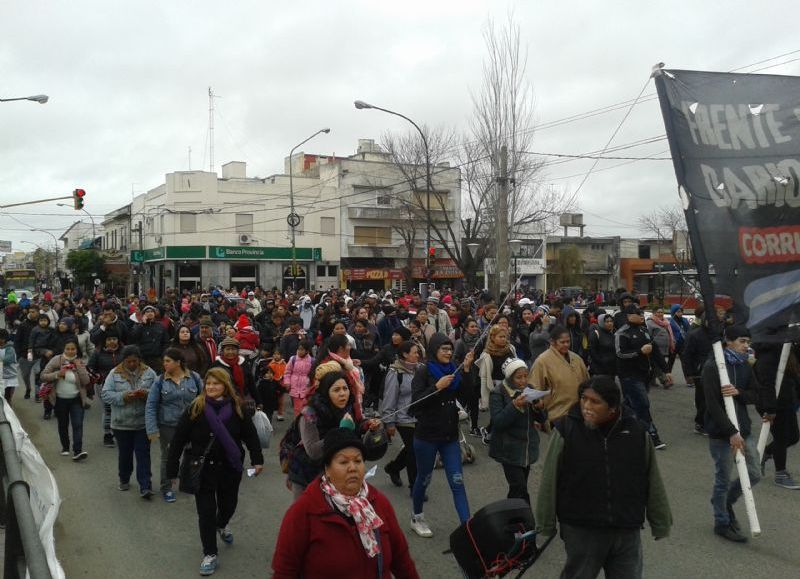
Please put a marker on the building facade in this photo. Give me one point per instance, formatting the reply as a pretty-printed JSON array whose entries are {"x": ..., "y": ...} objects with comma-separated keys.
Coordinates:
[
  {"x": 383, "y": 240},
  {"x": 359, "y": 225}
]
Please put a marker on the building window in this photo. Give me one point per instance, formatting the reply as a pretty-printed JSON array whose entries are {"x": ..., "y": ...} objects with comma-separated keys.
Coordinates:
[
  {"x": 598, "y": 247},
  {"x": 244, "y": 223},
  {"x": 383, "y": 198},
  {"x": 327, "y": 225},
  {"x": 161, "y": 225},
  {"x": 327, "y": 270},
  {"x": 188, "y": 223},
  {"x": 644, "y": 252},
  {"x": 372, "y": 235}
]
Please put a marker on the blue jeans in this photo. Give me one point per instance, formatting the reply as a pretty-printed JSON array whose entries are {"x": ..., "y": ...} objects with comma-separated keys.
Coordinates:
[
  {"x": 130, "y": 442},
  {"x": 70, "y": 410},
  {"x": 451, "y": 460},
  {"x": 637, "y": 399},
  {"x": 726, "y": 492}
]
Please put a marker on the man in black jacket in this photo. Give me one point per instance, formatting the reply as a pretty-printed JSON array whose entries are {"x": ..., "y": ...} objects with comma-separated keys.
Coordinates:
[
  {"x": 152, "y": 339},
  {"x": 636, "y": 353},
  {"x": 21, "y": 342},
  {"x": 601, "y": 480},
  {"x": 724, "y": 436},
  {"x": 696, "y": 351},
  {"x": 109, "y": 319}
]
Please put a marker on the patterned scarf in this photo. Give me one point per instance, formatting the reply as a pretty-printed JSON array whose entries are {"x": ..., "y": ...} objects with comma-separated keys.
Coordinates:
[
  {"x": 360, "y": 510},
  {"x": 353, "y": 379},
  {"x": 663, "y": 323}
]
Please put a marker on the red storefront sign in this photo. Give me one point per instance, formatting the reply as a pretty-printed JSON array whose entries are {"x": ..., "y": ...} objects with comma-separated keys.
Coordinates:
[
  {"x": 362, "y": 274},
  {"x": 442, "y": 269}
]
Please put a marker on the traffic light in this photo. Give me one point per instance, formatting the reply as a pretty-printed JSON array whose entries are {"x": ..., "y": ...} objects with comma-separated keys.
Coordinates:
[
  {"x": 77, "y": 198},
  {"x": 432, "y": 253}
]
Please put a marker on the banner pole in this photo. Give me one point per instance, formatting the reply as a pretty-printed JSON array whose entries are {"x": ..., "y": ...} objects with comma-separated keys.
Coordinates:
[
  {"x": 766, "y": 426},
  {"x": 741, "y": 463},
  {"x": 706, "y": 286}
]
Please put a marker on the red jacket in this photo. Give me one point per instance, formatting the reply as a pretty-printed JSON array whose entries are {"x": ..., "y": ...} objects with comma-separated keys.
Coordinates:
[{"x": 315, "y": 541}]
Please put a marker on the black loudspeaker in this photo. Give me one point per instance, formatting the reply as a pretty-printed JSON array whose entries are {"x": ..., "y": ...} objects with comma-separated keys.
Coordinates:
[{"x": 491, "y": 531}]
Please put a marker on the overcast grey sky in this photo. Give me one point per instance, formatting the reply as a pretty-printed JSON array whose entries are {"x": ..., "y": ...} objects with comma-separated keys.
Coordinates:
[{"x": 128, "y": 87}]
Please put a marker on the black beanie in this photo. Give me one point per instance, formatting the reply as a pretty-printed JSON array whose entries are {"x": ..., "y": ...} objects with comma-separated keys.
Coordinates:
[{"x": 337, "y": 439}]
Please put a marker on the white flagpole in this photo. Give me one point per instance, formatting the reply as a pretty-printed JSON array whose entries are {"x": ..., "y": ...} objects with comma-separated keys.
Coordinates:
[
  {"x": 766, "y": 426},
  {"x": 741, "y": 464}
]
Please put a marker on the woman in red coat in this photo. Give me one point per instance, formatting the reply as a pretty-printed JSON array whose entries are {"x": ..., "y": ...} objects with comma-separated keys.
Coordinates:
[{"x": 340, "y": 526}]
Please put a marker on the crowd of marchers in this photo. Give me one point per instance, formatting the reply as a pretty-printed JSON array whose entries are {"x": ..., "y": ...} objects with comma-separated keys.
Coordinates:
[{"x": 202, "y": 374}]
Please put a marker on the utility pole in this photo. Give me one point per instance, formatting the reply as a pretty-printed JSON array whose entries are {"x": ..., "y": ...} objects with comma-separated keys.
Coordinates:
[{"x": 501, "y": 239}]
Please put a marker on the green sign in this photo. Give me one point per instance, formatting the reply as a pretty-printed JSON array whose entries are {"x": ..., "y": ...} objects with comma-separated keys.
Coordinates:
[
  {"x": 140, "y": 256},
  {"x": 186, "y": 252},
  {"x": 271, "y": 253},
  {"x": 171, "y": 252},
  {"x": 226, "y": 252}
]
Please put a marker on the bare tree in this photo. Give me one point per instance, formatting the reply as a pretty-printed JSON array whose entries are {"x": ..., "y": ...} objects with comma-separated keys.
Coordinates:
[
  {"x": 503, "y": 110},
  {"x": 407, "y": 152},
  {"x": 406, "y": 228},
  {"x": 669, "y": 223},
  {"x": 503, "y": 115}
]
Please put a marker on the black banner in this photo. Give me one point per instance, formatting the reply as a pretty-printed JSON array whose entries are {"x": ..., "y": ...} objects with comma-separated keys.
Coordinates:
[{"x": 735, "y": 141}]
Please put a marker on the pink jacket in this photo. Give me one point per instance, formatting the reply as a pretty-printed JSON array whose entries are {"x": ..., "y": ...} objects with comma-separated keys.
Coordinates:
[{"x": 295, "y": 379}]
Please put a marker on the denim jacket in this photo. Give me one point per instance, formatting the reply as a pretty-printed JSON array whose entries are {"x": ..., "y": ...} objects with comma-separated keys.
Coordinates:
[
  {"x": 167, "y": 400},
  {"x": 127, "y": 415}
]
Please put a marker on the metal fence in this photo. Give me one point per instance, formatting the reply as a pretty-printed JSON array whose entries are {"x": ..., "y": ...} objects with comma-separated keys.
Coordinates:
[{"x": 24, "y": 551}]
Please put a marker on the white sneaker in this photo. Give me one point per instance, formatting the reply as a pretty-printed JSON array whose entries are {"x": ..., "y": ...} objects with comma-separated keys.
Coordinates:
[
  {"x": 420, "y": 526},
  {"x": 209, "y": 565}
]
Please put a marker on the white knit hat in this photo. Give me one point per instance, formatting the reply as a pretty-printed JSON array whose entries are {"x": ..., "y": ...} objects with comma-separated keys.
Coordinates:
[{"x": 512, "y": 365}]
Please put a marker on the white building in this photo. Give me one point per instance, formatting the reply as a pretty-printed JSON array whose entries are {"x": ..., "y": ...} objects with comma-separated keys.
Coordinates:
[
  {"x": 197, "y": 229},
  {"x": 380, "y": 206}
]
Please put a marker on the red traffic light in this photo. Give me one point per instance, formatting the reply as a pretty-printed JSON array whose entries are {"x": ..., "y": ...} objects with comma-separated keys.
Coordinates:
[
  {"x": 77, "y": 198},
  {"x": 432, "y": 252}
]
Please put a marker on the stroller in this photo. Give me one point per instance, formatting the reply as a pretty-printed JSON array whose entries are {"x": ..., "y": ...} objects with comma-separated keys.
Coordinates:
[
  {"x": 499, "y": 539},
  {"x": 467, "y": 451}
]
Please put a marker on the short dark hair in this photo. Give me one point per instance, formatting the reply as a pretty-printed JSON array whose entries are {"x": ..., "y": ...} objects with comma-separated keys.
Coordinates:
[
  {"x": 557, "y": 331},
  {"x": 606, "y": 387}
]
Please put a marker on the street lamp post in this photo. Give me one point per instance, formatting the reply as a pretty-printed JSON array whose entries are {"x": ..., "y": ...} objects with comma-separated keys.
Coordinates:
[
  {"x": 38, "y": 98},
  {"x": 515, "y": 245},
  {"x": 55, "y": 241},
  {"x": 294, "y": 219},
  {"x": 94, "y": 227},
  {"x": 428, "y": 184},
  {"x": 46, "y": 256}
]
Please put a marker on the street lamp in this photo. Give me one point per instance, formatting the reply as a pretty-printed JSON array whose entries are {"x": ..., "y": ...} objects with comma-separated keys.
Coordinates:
[
  {"x": 515, "y": 245},
  {"x": 428, "y": 185},
  {"x": 38, "y": 98},
  {"x": 46, "y": 256},
  {"x": 294, "y": 219},
  {"x": 94, "y": 228},
  {"x": 55, "y": 241}
]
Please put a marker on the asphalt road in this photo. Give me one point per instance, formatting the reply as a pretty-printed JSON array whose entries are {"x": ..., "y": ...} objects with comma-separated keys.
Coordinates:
[{"x": 102, "y": 532}]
